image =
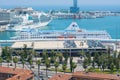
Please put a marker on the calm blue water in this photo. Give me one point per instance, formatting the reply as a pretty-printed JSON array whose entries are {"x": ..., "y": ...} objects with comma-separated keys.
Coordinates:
[{"x": 111, "y": 24}]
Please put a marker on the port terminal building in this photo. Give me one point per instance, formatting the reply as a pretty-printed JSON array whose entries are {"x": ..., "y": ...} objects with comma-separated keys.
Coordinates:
[{"x": 71, "y": 46}]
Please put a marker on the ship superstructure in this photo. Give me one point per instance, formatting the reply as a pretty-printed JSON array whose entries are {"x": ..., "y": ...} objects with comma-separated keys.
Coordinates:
[{"x": 71, "y": 32}]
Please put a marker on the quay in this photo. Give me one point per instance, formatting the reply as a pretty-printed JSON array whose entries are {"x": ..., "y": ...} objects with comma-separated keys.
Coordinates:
[{"x": 33, "y": 40}]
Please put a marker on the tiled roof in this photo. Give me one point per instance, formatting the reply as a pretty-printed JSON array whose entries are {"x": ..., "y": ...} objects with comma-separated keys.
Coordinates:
[
  {"x": 23, "y": 74},
  {"x": 89, "y": 75},
  {"x": 96, "y": 75},
  {"x": 61, "y": 77}
]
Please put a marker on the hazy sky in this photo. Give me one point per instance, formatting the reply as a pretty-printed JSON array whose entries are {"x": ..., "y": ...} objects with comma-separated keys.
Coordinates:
[{"x": 57, "y": 2}]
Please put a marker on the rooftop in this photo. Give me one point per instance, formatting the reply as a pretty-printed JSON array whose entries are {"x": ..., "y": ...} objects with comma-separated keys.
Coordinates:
[
  {"x": 52, "y": 44},
  {"x": 60, "y": 44},
  {"x": 84, "y": 75},
  {"x": 92, "y": 75},
  {"x": 22, "y": 74},
  {"x": 61, "y": 77}
]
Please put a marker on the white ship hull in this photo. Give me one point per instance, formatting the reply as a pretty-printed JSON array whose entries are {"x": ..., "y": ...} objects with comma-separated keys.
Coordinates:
[
  {"x": 21, "y": 27},
  {"x": 71, "y": 32}
]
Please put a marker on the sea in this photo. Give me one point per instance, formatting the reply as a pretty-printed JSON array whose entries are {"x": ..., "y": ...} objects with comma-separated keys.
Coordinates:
[{"x": 109, "y": 23}]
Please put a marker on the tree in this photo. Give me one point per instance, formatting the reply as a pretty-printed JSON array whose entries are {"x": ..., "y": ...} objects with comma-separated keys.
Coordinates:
[
  {"x": 104, "y": 64},
  {"x": 60, "y": 55},
  {"x": 30, "y": 63},
  {"x": 96, "y": 56},
  {"x": 23, "y": 63},
  {"x": 109, "y": 51},
  {"x": 85, "y": 63},
  {"x": 111, "y": 66},
  {"x": 47, "y": 64},
  {"x": 64, "y": 67},
  {"x": 74, "y": 65},
  {"x": 8, "y": 61},
  {"x": 82, "y": 54},
  {"x": 110, "y": 60},
  {"x": 25, "y": 52},
  {"x": 6, "y": 53},
  {"x": 56, "y": 64},
  {"x": 103, "y": 61},
  {"x": 53, "y": 59},
  {"x": 44, "y": 56},
  {"x": 66, "y": 56},
  {"x": 119, "y": 55},
  {"x": 93, "y": 64},
  {"x": 100, "y": 60},
  {"x": 1, "y": 60},
  {"x": 31, "y": 54},
  {"x": 15, "y": 60},
  {"x": 89, "y": 58},
  {"x": 71, "y": 64},
  {"x": 117, "y": 65},
  {"x": 38, "y": 62}
]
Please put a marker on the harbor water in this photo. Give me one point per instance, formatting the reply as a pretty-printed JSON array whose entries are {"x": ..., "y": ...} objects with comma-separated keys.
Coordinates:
[{"x": 110, "y": 23}]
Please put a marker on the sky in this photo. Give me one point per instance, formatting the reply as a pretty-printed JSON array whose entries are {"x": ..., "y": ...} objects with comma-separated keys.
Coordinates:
[{"x": 57, "y": 2}]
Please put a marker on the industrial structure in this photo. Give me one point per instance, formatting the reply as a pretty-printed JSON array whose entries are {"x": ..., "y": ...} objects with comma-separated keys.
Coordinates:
[{"x": 74, "y": 8}]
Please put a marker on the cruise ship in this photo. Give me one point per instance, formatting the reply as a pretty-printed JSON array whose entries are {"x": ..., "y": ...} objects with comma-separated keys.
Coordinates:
[
  {"x": 71, "y": 32},
  {"x": 28, "y": 18}
]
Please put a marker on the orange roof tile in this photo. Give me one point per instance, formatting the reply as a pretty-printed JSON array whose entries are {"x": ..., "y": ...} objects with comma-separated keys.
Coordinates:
[
  {"x": 23, "y": 74},
  {"x": 61, "y": 77},
  {"x": 89, "y": 75},
  {"x": 96, "y": 75}
]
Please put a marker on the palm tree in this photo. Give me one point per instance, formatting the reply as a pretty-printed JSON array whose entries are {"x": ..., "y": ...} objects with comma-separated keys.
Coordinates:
[
  {"x": 8, "y": 61},
  {"x": 64, "y": 67},
  {"x": 44, "y": 56},
  {"x": 119, "y": 55},
  {"x": 112, "y": 66},
  {"x": 82, "y": 54},
  {"x": 71, "y": 64},
  {"x": 30, "y": 62},
  {"x": 66, "y": 56},
  {"x": 74, "y": 65},
  {"x": 85, "y": 63},
  {"x": 47, "y": 64},
  {"x": 56, "y": 64},
  {"x": 117, "y": 64},
  {"x": 23, "y": 63},
  {"x": 60, "y": 56},
  {"x": 1, "y": 60},
  {"x": 25, "y": 51},
  {"x": 15, "y": 60},
  {"x": 6, "y": 53},
  {"x": 38, "y": 62},
  {"x": 52, "y": 59}
]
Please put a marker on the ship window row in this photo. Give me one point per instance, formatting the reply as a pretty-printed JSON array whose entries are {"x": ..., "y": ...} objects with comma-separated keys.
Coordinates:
[{"x": 4, "y": 14}]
